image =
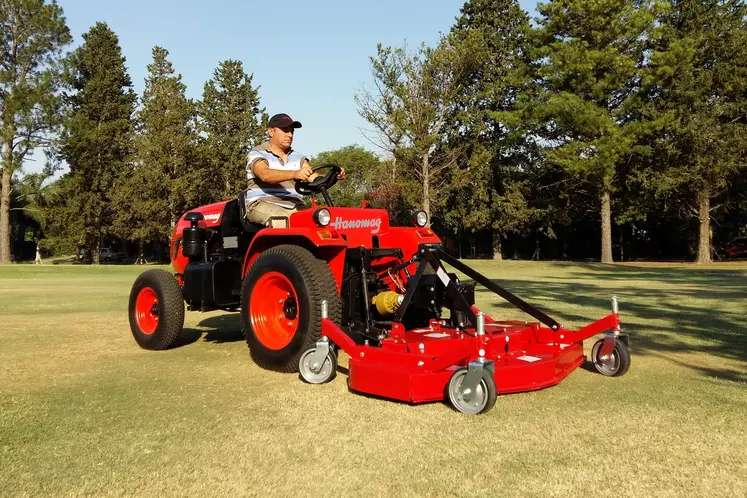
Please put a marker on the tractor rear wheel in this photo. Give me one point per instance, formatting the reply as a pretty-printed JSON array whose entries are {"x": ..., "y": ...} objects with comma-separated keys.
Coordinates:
[
  {"x": 156, "y": 310},
  {"x": 616, "y": 364},
  {"x": 281, "y": 299}
]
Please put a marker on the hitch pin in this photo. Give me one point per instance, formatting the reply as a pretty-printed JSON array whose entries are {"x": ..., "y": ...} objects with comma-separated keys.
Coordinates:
[
  {"x": 480, "y": 323},
  {"x": 615, "y": 310}
]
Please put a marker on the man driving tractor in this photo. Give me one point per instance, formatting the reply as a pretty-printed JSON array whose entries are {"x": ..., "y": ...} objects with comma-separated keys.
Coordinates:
[{"x": 272, "y": 169}]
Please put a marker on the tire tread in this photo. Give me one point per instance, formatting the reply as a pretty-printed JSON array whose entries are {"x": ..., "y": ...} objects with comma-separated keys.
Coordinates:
[{"x": 320, "y": 282}]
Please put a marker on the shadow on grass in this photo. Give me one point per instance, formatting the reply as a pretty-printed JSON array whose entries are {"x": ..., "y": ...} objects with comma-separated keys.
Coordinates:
[
  {"x": 221, "y": 329},
  {"x": 732, "y": 278}
]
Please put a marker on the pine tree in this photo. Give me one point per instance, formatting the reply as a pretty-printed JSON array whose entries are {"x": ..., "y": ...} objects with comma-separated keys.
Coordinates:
[
  {"x": 233, "y": 123},
  {"x": 97, "y": 138},
  {"x": 32, "y": 36},
  {"x": 167, "y": 178},
  {"x": 588, "y": 59},
  {"x": 697, "y": 86},
  {"x": 488, "y": 191}
]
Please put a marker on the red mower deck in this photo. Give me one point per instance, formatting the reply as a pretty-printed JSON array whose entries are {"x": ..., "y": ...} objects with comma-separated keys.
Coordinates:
[{"x": 416, "y": 365}]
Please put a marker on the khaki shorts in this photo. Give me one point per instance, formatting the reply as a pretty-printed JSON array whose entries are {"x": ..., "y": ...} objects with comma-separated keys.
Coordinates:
[{"x": 260, "y": 212}]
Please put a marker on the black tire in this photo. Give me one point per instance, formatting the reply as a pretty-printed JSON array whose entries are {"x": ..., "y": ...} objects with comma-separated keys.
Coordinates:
[
  {"x": 619, "y": 363},
  {"x": 169, "y": 310},
  {"x": 312, "y": 281},
  {"x": 484, "y": 399}
]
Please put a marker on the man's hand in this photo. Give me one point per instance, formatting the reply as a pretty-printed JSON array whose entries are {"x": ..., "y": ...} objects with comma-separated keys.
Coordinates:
[
  {"x": 341, "y": 176},
  {"x": 304, "y": 174}
]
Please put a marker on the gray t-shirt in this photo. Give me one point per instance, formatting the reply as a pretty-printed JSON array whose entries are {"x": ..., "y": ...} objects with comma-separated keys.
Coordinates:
[{"x": 283, "y": 194}]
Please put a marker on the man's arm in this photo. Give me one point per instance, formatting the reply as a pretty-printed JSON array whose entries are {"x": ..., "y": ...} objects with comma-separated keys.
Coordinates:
[{"x": 261, "y": 169}]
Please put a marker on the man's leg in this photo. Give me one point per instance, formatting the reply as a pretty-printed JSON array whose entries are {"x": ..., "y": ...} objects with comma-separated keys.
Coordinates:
[{"x": 260, "y": 212}]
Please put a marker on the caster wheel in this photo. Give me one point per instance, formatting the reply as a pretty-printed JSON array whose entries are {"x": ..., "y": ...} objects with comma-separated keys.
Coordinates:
[
  {"x": 326, "y": 372},
  {"x": 481, "y": 401},
  {"x": 616, "y": 363}
]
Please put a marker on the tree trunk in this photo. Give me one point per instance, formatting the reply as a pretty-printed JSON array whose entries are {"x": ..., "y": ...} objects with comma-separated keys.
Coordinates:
[
  {"x": 426, "y": 189},
  {"x": 606, "y": 228},
  {"x": 5, "y": 192},
  {"x": 704, "y": 229},
  {"x": 96, "y": 250},
  {"x": 497, "y": 248}
]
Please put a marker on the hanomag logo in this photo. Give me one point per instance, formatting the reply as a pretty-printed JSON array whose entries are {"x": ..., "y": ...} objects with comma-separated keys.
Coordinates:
[{"x": 341, "y": 224}]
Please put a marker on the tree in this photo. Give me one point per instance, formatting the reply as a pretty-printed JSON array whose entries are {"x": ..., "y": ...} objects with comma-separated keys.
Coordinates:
[
  {"x": 363, "y": 172},
  {"x": 697, "y": 87},
  {"x": 488, "y": 191},
  {"x": 97, "y": 139},
  {"x": 32, "y": 36},
  {"x": 167, "y": 177},
  {"x": 588, "y": 60},
  {"x": 413, "y": 97},
  {"x": 233, "y": 122}
]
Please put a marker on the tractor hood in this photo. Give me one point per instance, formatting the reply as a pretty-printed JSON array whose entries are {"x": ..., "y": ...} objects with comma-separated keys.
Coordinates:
[{"x": 211, "y": 212}]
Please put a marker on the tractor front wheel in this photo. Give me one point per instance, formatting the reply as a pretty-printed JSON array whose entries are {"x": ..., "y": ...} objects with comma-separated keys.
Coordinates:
[
  {"x": 156, "y": 310},
  {"x": 616, "y": 363},
  {"x": 281, "y": 299}
]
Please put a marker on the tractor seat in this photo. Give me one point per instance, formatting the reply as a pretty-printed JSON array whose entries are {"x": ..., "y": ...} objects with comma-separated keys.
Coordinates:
[{"x": 234, "y": 218}]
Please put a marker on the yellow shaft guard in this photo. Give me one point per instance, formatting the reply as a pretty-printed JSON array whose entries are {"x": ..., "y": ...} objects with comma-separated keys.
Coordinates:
[{"x": 387, "y": 302}]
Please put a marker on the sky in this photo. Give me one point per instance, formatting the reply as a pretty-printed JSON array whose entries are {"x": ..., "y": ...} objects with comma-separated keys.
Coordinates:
[{"x": 310, "y": 58}]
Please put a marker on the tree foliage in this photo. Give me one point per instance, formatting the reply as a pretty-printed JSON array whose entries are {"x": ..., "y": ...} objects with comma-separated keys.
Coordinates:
[
  {"x": 167, "y": 177},
  {"x": 233, "y": 122},
  {"x": 487, "y": 191},
  {"x": 363, "y": 172},
  {"x": 516, "y": 137},
  {"x": 33, "y": 34},
  {"x": 413, "y": 98},
  {"x": 96, "y": 142},
  {"x": 696, "y": 89},
  {"x": 588, "y": 57}
]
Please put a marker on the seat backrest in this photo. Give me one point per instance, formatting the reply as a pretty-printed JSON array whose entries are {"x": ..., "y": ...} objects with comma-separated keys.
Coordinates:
[
  {"x": 246, "y": 224},
  {"x": 230, "y": 220}
]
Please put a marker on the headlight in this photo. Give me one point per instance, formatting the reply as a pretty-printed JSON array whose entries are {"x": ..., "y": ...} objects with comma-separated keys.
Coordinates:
[
  {"x": 420, "y": 218},
  {"x": 322, "y": 217}
]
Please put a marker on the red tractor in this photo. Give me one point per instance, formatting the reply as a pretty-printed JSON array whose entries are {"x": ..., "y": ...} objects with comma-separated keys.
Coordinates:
[{"x": 343, "y": 278}]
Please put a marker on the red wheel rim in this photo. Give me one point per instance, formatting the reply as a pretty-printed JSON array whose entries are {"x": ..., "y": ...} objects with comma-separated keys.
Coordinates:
[
  {"x": 146, "y": 311},
  {"x": 273, "y": 310}
]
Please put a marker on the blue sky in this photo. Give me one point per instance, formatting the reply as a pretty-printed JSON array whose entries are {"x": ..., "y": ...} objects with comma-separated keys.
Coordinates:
[{"x": 310, "y": 58}]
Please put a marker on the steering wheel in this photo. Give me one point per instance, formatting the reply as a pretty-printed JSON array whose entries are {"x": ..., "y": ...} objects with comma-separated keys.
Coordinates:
[{"x": 326, "y": 181}]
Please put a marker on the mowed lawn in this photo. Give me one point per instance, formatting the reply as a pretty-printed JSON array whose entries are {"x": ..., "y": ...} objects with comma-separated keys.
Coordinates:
[{"x": 85, "y": 411}]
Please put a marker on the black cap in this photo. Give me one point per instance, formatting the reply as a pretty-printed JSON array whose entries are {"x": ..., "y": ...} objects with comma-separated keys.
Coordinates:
[{"x": 282, "y": 121}]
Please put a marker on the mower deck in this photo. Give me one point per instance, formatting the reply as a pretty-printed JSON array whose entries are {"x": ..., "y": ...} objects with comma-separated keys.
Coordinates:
[{"x": 416, "y": 365}]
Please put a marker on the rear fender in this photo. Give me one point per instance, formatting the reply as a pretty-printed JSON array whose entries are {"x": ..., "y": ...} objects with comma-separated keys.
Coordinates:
[{"x": 331, "y": 250}]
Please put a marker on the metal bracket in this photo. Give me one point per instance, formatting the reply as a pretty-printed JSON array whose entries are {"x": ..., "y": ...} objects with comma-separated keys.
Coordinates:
[
  {"x": 475, "y": 371},
  {"x": 608, "y": 346},
  {"x": 497, "y": 289},
  {"x": 316, "y": 361}
]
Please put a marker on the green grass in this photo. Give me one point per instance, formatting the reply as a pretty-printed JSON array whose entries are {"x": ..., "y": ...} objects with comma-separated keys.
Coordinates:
[{"x": 84, "y": 411}]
